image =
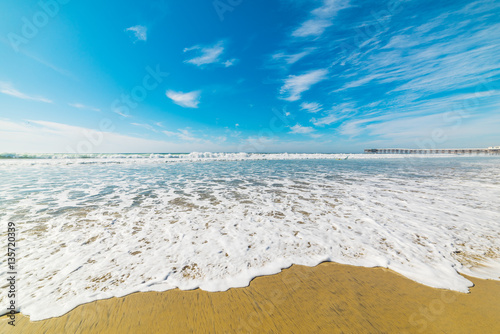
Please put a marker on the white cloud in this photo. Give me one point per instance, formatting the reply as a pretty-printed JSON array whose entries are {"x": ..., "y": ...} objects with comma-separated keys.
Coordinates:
[
  {"x": 401, "y": 42},
  {"x": 291, "y": 59},
  {"x": 295, "y": 85},
  {"x": 7, "y": 89},
  {"x": 313, "y": 27},
  {"x": 117, "y": 111},
  {"x": 49, "y": 137},
  {"x": 145, "y": 126},
  {"x": 456, "y": 107},
  {"x": 45, "y": 137},
  {"x": 48, "y": 64},
  {"x": 420, "y": 61},
  {"x": 183, "y": 134},
  {"x": 301, "y": 129},
  {"x": 140, "y": 32},
  {"x": 320, "y": 18},
  {"x": 82, "y": 106},
  {"x": 170, "y": 133},
  {"x": 230, "y": 62},
  {"x": 353, "y": 128},
  {"x": 437, "y": 130},
  {"x": 327, "y": 120},
  {"x": 312, "y": 107},
  {"x": 209, "y": 55},
  {"x": 186, "y": 100},
  {"x": 186, "y": 135},
  {"x": 336, "y": 113}
]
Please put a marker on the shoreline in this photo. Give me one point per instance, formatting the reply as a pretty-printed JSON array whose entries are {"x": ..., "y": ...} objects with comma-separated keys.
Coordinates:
[{"x": 329, "y": 298}]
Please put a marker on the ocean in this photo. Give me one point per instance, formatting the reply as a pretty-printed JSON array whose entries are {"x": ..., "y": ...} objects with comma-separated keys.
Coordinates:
[{"x": 106, "y": 225}]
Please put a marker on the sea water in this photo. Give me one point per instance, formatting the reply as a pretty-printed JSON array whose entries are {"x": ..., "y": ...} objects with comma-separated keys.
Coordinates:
[{"x": 98, "y": 226}]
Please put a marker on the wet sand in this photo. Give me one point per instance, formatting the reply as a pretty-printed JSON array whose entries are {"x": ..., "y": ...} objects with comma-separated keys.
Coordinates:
[{"x": 329, "y": 298}]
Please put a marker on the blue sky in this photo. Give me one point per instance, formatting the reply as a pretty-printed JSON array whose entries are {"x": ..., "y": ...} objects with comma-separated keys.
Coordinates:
[{"x": 255, "y": 76}]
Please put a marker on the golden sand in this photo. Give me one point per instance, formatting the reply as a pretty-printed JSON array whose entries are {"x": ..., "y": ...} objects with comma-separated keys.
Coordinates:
[{"x": 329, "y": 298}]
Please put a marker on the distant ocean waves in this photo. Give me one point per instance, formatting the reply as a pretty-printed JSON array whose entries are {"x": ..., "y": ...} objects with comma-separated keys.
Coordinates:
[
  {"x": 197, "y": 156},
  {"x": 88, "y": 156}
]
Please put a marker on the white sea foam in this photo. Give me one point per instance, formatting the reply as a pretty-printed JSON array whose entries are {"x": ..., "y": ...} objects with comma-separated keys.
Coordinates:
[{"x": 90, "y": 230}]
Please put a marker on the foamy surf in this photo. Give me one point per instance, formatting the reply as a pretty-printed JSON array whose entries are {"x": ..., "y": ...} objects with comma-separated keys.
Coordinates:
[
  {"x": 98, "y": 230},
  {"x": 198, "y": 156}
]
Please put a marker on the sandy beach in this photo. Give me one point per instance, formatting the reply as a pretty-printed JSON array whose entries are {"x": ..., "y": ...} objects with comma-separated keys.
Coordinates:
[{"x": 328, "y": 298}]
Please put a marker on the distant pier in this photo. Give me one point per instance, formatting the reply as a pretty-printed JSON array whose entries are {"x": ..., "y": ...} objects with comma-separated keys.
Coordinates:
[{"x": 490, "y": 150}]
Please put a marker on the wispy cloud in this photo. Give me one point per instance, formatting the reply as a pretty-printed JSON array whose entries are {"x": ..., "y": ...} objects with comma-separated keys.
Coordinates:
[
  {"x": 186, "y": 100},
  {"x": 327, "y": 120},
  {"x": 122, "y": 114},
  {"x": 423, "y": 117},
  {"x": 420, "y": 59},
  {"x": 43, "y": 136},
  {"x": 209, "y": 55},
  {"x": 337, "y": 113},
  {"x": 7, "y": 89},
  {"x": 312, "y": 107},
  {"x": 139, "y": 32},
  {"x": 182, "y": 134},
  {"x": 145, "y": 126},
  {"x": 82, "y": 106},
  {"x": 230, "y": 62},
  {"x": 36, "y": 136},
  {"x": 417, "y": 131},
  {"x": 400, "y": 74},
  {"x": 48, "y": 64},
  {"x": 320, "y": 18},
  {"x": 291, "y": 59},
  {"x": 312, "y": 27},
  {"x": 295, "y": 85},
  {"x": 299, "y": 129}
]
